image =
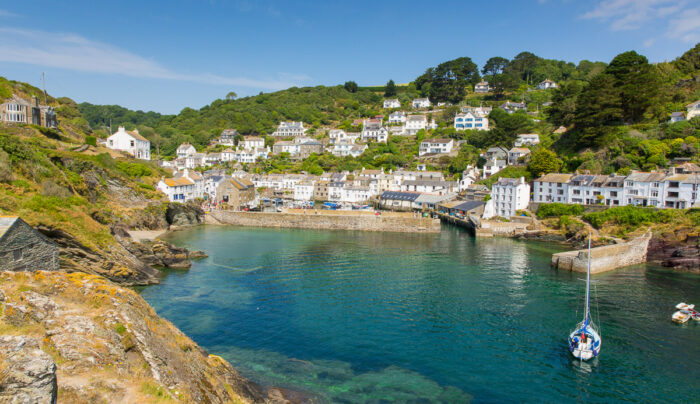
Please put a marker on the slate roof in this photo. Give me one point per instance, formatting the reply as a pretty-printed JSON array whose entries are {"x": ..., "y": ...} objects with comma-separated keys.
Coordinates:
[
  {"x": 5, "y": 223},
  {"x": 555, "y": 178},
  {"x": 400, "y": 196}
]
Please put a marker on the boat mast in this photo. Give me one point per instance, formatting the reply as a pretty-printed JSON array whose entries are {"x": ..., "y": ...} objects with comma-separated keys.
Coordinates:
[{"x": 586, "y": 312}]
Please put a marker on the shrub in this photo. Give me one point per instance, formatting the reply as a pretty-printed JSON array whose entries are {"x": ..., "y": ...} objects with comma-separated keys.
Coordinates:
[
  {"x": 558, "y": 209},
  {"x": 146, "y": 186},
  {"x": 134, "y": 170},
  {"x": 51, "y": 189},
  {"x": 91, "y": 140},
  {"x": 5, "y": 167}
]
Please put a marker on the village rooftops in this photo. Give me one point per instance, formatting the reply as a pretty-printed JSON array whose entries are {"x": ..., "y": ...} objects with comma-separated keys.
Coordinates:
[
  {"x": 687, "y": 168},
  {"x": 463, "y": 205},
  {"x": 519, "y": 150},
  {"x": 557, "y": 178},
  {"x": 508, "y": 181},
  {"x": 417, "y": 118},
  {"x": 637, "y": 176},
  {"x": 441, "y": 141},
  {"x": 685, "y": 178},
  {"x": 677, "y": 115}
]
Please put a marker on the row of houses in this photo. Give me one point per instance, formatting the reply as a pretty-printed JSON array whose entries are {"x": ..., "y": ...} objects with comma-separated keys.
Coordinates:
[{"x": 678, "y": 188}]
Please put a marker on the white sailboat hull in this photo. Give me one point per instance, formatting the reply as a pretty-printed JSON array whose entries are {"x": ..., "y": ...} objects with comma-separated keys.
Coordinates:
[{"x": 585, "y": 350}]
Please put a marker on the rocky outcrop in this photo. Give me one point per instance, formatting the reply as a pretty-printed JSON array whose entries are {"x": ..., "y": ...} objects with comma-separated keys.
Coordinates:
[
  {"x": 682, "y": 254},
  {"x": 160, "y": 253},
  {"x": 184, "y": 214},
  {"x": 103, "y": 343},
  {"x": 27, "y": 374},
  {"x": 115, "y": 263}
]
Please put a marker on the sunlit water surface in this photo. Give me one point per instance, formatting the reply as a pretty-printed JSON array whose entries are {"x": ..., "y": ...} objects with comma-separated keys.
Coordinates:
[{"x": 382, "y": 317}]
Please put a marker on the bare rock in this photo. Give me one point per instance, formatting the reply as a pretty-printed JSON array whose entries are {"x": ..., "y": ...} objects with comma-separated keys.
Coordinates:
[{"x": 27, "y": 374}]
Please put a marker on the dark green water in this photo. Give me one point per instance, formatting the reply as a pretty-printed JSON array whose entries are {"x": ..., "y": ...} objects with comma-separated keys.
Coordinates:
[{"x": 381, "y": 317}]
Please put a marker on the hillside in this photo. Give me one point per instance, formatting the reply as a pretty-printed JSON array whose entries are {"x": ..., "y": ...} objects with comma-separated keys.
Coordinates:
[
  {"x": 616, "y": 113},
  {"x": 78, "y": 195}
]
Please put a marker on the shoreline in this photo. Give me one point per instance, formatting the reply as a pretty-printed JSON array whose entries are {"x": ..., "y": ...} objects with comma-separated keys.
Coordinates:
[{"x": 146, "y": 235}]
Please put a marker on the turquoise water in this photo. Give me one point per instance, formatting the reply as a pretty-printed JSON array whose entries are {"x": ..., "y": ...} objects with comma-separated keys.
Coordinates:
[{"x": 383, "y": 317}]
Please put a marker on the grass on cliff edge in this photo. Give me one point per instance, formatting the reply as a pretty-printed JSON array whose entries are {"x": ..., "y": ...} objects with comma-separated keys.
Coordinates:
[{"x": 44, "y": 182}]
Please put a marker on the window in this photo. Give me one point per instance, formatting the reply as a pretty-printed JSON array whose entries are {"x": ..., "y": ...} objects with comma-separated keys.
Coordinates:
[
  {"x": 131, "y": 143},
  {"x": 654, "y": 193},
  {"x": 17, "y": 254},
  {"x": 655, "y": 184}
]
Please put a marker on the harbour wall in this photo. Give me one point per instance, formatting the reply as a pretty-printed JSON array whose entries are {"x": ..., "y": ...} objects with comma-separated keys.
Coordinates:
[
  {"x": 318, "y": 220},
  {"x": 605, "y": 258}
]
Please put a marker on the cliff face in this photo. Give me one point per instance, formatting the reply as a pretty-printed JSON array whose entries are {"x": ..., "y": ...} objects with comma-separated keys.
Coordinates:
[{"x": 82, "y": 339}]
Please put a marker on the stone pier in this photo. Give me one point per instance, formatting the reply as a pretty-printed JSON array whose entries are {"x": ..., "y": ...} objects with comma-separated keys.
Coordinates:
[
  {"x": 402, "y": 223},
  {"x": 605, "y": 258}
]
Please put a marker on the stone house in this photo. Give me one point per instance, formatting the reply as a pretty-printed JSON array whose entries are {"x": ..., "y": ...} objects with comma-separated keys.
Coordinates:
[
  {"x": 516, "y": 155},
  {"x": 236, "y": 193},
  {"x": 18, "y": 110},
  {"x": 22, "y": 248},
  {"x": 228, "y": 137}
]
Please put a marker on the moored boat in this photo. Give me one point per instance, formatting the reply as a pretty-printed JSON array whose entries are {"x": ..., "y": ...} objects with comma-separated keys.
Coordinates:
[
  {"x": 585, "y": 340},
  {"x": 681, "y": 316}
]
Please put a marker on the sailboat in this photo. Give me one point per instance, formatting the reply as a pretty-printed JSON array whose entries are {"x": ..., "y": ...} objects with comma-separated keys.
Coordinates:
[{"x": 584, "y": 340}]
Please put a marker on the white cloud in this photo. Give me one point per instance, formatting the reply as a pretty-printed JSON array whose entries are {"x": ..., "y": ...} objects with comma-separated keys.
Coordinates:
[
  {"x": 5, "y": 13},
  {"x": 649, "y": 42},
  {"x": 74, "y": 52},
  {"x": 681, "y": 16}
]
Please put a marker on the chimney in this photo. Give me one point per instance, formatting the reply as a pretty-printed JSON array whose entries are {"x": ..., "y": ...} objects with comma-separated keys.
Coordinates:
[
  {"x": 121, "y": 129},
  {"x": 522, "y": 180}
]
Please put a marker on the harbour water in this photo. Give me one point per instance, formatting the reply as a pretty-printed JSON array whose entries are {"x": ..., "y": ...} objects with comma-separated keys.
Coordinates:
[{"x": 386, "y": 317}]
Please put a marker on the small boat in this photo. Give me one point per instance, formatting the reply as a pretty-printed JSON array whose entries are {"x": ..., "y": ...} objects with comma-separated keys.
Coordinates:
[
  {"x": 584, "y": 340},
  {"x": 685, "y": 306},
  {"x": 681, "y": 316}
]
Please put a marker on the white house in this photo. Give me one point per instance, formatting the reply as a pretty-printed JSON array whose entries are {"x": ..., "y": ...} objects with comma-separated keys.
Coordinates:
[
  {"x": 177, "y": 189},
  {"x": 515, "y": 154},
  {"x": 392, "y": 103},
  {"x": 677, "y": 117},
  {"x": 429, "y": 186},
  {"x": 682, "y": 191},
  {"x": 304, "y": 190},
  {"x": 469, "y": 176},
  {"x": 414, "y": 123},
  {"x": 185, "y": 150},
  {"x": 290, "y": 129},
  {"x": 510, "y": 195},
  {"x": 644, "y": 189},
  {"x": 196, "y": 178},
  {"x": 492, "y": 166},
  {"x": 397, "y": 117},
  {"x": 419, "y": 103},
  {"x": 130, "y": 142},
  {"x": 471, "y": 120},
  {"x": 586, "y": 189},
  {"x": 547, "y": 84},
  {"x": 482, "y": 87},
  {"x": 435, "y": 146},
  {"x": 372, "y": 129},
  {"x": 527, "y": 139},
  {"x": 345, "y": 148},
  {"x": 251, "y": 142},
  {"x": 339, "y": 135},
  {"x": 692, "y": 110},
  {"x": 552, "y": 188}
]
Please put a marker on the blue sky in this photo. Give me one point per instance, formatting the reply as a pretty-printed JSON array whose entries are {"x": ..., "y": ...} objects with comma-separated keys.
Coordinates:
[{"x": 167, "y": 55}]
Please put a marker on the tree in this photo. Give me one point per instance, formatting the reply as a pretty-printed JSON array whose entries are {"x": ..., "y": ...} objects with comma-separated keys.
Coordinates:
[
  {"x": 564, "y": 101},
  {"x": 690, "y": 61},
  {"x": 350, "y": 86},
  {"x": 449, "y": 80},
  {"x": 390, "y": 89},
  {"x": 494, "y": 66},
  {"x": 502, "y": 83},
  {"x": 231, "y": 96},
  {"x": 522, "y": 66},
  {"x": 598, "y": 108},
  {"x": 508, "y": 127},
  {"x": 637, "y": 82},
  {"x": 543, "y": 161}
]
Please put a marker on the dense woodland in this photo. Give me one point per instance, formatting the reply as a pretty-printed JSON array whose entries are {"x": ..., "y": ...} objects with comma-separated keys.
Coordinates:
[{"x": 616, "y": 114}]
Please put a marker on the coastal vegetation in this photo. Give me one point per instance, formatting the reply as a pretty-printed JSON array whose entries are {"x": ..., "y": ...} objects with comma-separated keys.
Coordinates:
[{"x": 616, "y": 115}]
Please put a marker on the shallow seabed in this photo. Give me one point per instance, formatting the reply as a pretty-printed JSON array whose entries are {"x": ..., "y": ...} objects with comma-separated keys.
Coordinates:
[{"x": 384, "y": 317}]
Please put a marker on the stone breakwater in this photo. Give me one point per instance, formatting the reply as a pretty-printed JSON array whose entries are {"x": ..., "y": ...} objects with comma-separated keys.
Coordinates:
[
  {"x": 311, "y": 220},
  {"x": 605, "y": 258}
]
